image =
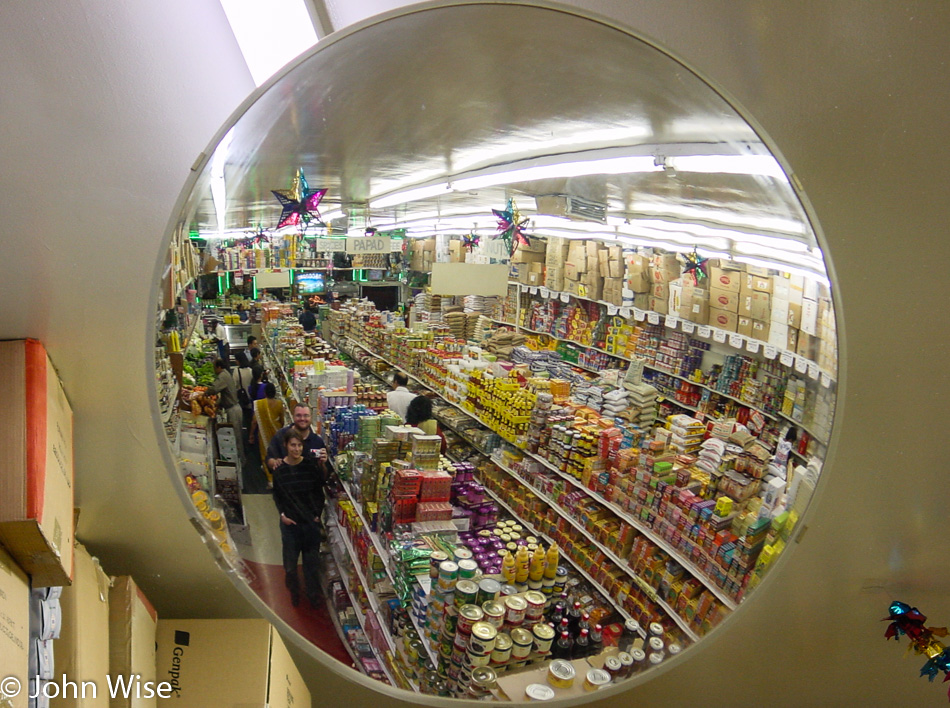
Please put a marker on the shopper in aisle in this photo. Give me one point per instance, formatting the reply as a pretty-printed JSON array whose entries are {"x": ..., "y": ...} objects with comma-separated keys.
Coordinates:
[
  {"x": 400, "y": 397},
  {"x": 259, "y": 373},
  {"x": 221, "y": 339},
  {"x": 247, "y": 355},
  {"x": 307, "y": 319},
  {"x": 226, "y": 390},
  {"x": 299, "y": 497},
  {"x": 419, "y": 414},
  {"x": 268, "y": 418},
  {"x": 313, "y": 445},
  {"x": 243, "y": 376}
]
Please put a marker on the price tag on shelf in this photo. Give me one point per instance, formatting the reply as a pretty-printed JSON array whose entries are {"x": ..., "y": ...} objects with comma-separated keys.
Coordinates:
[
  {"x": 688, "y": 327},
  {"x": 801, "y": 364},
  {"x": 719, "y": 335},
  {"x": 787, "y": 358},
  {"x": 770, "y": 351},
  {"x": 671, "y": 321},
  {"x": 653, "y": 318},
  {"x": 752, "y": 345},
  {"x": 639, "y": 314},
  {"x": 545, "y": 293},
  {"x": 825, "y": 379},
  {"x": 565, "y": 297},
  {"x": 533, "y": 290},
  {"x": 735, "y": 340},
  {"x": 812, "y": 370},
  {"x": 611, "y": 310},
  {"x": 704, "y": 331},
  {"x": 625, "y": 312}
]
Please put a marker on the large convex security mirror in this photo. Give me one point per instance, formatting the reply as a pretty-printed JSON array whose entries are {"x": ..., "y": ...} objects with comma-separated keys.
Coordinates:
[{"x": 600, "y": 293}]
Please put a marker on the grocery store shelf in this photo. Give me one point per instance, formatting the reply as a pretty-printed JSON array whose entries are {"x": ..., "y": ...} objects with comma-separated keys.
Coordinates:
[
  {"x": 423, "y": 638},
  {"x": 353, "y": 600},
  {"x": 638, "y": 313},
  {"x": 622, "y": 612},
  {"x": 620, "y": 563},
  {"x": 374, "y": 539},
  {"x": 186, "y": 342},
  {"x": 646, "y": 531}
]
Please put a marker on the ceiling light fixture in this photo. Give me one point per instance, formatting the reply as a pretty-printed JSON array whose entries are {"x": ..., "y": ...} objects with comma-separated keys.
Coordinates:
[{"x": 270, "y": 33}]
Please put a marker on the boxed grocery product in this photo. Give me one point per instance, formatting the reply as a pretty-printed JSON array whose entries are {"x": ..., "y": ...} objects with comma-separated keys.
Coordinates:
[
  {"x": 809, "y": 317},
  {"x": 572, "y": 271},
  {"x": 36, "y": 468},
  {"x": 132, "y": 625},
  {"x": 760, "y": 330},
  {"x": 227, "y": 663},
  {"x": 724, "y": 279},
  {"x": 638, "y": 282},
  {"x": 756, "y": 305},
  {"x": 15, "y": 615},
  {"x": 744, "y": 325},
  {"x": 82, "y": 650},
  {"x": 779, "y": 311},
  {"x": 723, "y": 319},
  {"x": 660, "y": 305},
  {"x": 723, "y": 299}
]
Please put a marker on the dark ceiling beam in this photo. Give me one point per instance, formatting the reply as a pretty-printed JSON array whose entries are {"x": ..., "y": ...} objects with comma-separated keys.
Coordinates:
[{"x": 320, "y": 16}]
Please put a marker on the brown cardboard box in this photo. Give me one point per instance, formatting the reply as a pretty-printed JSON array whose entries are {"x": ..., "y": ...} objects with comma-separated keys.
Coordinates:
[
  {"x": 744, "y": 326},
  {"x": 756, "y": 305},
  {"x": 806, "y": 346},
  {"x": 723, "y": 319},
  {"x": 572, "y": 287},
  {"x": 572, "y": 272},
  {"x": 554, "y": 278},
  {"x": 535, "y": 278},
  {"x": 664, "y": 275},
  {"x": 659, "y": 304},
  {"x": 523, "y": 256},
  {"x": 227, "y": 663},
  {"x": 15, "y": 624},
  {"x": 695, "y": 310},
  {"x": 637, "y": 264},
  {"x": 638, "y": 281},
  {"x": 760, "y": 330},
  {"x": 591, "y": 287},
  {"x": 132, "y": 625},
  {"x": 724, "y": 279},
  {"x": 36, "y": 466},
  {"x": 660, "y": 290},
  {"x": 593, "y": 249},
  {"x": 724, "y": 299},
  {"x": 82, "y": 650}
]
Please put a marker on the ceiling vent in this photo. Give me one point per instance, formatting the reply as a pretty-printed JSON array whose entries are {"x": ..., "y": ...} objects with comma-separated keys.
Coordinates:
[{"x": 572, "y": 207}]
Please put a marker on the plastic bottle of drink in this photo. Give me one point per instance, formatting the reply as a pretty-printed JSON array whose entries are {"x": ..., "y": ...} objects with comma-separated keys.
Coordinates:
[
  {"x": 584, "y": 623},
  {"x": 574, "y": 617},
  {"x": 596, "y": 640},
  {"x": 563, "y": 647},
  {"x": 582, "y": 645}
]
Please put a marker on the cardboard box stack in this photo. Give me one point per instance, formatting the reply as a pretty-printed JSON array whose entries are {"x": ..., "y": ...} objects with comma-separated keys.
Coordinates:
[
  {"x": 132, "y": 626},
  {"x": 15, "y": 637},
  {"x": 423, "y": 254},
  {"x": 555, "y": 260},
  {"x": 82, "y": 650},
  {"x": 527, "y": 263},
  {"x": 36, "y": 468},
  {"x": 227, "y": 663}
]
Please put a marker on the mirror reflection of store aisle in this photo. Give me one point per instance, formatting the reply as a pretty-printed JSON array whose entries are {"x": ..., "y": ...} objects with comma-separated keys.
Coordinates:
[{"x": 263, "y": 559}]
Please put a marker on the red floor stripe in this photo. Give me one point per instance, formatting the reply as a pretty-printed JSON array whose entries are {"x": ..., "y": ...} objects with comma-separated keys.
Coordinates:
[{"x": 313, "y": 624}]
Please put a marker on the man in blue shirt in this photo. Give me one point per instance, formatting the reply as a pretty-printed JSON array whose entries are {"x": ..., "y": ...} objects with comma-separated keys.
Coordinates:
[{"x": 313, "y": 445}]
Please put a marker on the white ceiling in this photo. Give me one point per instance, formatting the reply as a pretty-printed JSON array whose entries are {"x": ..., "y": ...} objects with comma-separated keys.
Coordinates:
[{"x": 104, "y": 108}]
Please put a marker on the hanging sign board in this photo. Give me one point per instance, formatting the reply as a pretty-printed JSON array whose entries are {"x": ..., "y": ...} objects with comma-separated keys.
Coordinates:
[
  {"x": 330, "y": 245},
  {"x": 367, "y": 244},
  {"x": 469, "y": 279},
  {"x": 494, "y": 248}
]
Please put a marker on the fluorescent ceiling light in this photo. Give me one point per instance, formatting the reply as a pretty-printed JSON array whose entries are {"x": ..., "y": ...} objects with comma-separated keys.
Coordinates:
[
  {"x": 218, "y": 188},
  {"x": 270, "y": 33},
  {"x": 757, "y": 165},
  {"x": 411, "y": 195},
  {"x": 561, "y": 170},
  {"x": 725, "y": 217}
]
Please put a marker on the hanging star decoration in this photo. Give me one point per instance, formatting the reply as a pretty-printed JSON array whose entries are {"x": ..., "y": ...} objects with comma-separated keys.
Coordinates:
[
  {"x": 511, "y": 227},
  {"x": 470, "y": 241},
  {"x": 258, "y": 237},
  {"x": 909, "y": 621},
  {"x": 695, "y": 266},
  {"x": 299, "y": 202}
]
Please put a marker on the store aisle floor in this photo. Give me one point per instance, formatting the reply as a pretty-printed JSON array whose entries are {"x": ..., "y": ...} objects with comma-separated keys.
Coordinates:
[{"x": 263, "y": 560}]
